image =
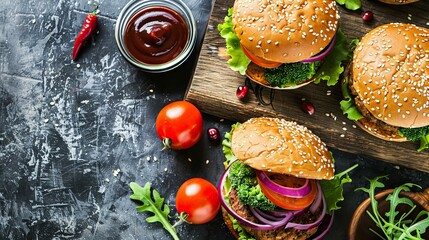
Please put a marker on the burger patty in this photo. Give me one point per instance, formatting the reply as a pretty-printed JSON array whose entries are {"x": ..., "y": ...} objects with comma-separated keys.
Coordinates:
[
  {"x": 369, "y": 121},
  {"x": 278, "y": 234}
]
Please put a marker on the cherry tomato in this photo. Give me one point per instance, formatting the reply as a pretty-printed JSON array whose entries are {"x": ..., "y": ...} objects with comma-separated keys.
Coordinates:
[
  {"x": 179, "y": 125},
  {"x": 260, "y": 61},
  {"x": 290, "y": 203},
  {"x": 198, "y": 198}
]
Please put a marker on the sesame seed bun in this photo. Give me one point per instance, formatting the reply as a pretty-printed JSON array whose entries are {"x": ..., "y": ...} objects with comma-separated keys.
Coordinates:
[
  {"x": 398, "y": 2},
  {"x": 285, "y": 31},
  {"x": 280, "y": 146},
  {"x": 390, "y": 74}
]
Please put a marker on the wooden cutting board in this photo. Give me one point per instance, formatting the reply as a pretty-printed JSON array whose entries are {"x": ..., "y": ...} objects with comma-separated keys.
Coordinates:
[{"x": 214, "y": 84}]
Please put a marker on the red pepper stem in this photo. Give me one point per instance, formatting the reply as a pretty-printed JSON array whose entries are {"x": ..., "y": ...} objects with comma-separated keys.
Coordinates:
[{"x": 96, "y": 11}]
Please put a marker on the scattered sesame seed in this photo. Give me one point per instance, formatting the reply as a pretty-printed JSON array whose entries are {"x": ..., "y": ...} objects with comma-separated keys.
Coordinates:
[
  {"x": 207, "y": 161},
  {"x": 189, "y": 160}
]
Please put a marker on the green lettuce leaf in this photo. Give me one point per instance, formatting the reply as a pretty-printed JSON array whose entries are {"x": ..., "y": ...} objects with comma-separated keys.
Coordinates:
[
  {"x": 350, "y": 4},
  {"x": 333, "y": 189},
  {"x": 424, "y": 143},
  {"x": 154, "y": 203},
  {"x": 348, "y": 105},
  {"x": 332, "y": 67},
  {"x": 226, "y": 146},
  {"x": 239, "y": 61}
]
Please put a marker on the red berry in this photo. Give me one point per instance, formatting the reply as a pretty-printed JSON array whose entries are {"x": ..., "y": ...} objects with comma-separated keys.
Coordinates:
[
  {"x": 307, "y": 107},
  {"x": 367, "y": 16},
  {"x": 214, "y": 135},
  {"x": 241, "y": 92}
]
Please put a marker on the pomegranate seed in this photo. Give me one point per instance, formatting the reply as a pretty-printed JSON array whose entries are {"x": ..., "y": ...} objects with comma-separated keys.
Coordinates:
[
  {"x": 367, "y": 16},
  {"x": 241, "y": 92},
  {"x": 214, "y": 135},
  {"x": 307, "y": 107}
]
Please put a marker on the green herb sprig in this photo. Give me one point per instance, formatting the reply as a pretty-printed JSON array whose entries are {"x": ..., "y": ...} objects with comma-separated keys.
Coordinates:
[
  {"x": 396, "y": 225},
  {"x": 154, "y": 203}
]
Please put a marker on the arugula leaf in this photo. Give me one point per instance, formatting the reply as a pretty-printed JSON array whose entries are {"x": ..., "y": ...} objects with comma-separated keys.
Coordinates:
[
  {"x": 333, "y": 189},
  {"x": 154, "y": 203},
  {"x": 350, "y": 4},
  {"x": 239, "y": 61},
  {"x": 332, "y": 68},
  {"x": 348, "y": 105},
  {"x": 392, "y": 226}
]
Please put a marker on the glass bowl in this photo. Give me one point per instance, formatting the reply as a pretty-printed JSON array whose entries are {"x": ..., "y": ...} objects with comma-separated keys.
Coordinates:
[{"x": 133, "y": 8}]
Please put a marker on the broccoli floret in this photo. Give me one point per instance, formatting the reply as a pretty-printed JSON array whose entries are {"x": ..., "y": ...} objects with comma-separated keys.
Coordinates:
[
  {"x": 414, "y": 134},
  {"x": 243, "y": 180},
  {"x": 290, "y": 74}
]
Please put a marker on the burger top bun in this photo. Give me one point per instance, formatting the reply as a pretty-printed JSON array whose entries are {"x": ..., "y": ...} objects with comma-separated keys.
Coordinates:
[
  {"x": 391, "y": 74},
  {"x": 280, "y": 146},
  {"x": 285, "y": 31},
  {"x": 398, "y": 2}
]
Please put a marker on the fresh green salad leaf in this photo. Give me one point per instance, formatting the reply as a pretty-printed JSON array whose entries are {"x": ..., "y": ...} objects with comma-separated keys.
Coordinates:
[
  {"x": 226, "y": 146},
  {"x": 350, "y": 4},
  {"x": 333, "y": 189},
  {"x": 348, "y": 105},
  {"x": 239, "y": 61},
  {"x": 154, "y": 203},
  {"x": 393, "y": 223},
  {"x": 332, "y": 67},
  {"x": 424, "y": 143},
  {"x": 417, "y": 134},
  {"x": 242, "y": 234}
]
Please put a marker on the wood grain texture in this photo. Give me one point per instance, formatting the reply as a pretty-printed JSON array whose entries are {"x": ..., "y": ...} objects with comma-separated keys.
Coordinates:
[{"x": 213, "y": 88}]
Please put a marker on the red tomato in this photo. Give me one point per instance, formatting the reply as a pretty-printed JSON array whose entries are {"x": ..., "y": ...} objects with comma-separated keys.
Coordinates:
[
  {"x": 290, "y": 203},
  {"x": 260, "y": 61},
  {"x": 199, "y": 199},
  {"x": 179, "y": 124}
]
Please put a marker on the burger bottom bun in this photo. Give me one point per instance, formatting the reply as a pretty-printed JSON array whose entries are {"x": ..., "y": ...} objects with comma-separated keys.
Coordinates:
[
  {"x": 377, "y": 132},
  {"x": 257, "y": 75},
  {"x": 398, "y": 2}
]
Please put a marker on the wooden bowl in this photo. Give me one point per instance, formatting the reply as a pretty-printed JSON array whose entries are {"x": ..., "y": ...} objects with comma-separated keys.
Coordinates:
[
  {"x": 398, "y": 2},
  {"x": 361, "y": 222}
]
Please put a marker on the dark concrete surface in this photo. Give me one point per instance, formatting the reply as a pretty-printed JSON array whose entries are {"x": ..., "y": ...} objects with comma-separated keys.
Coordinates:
[{"x": 74, "y": 134}]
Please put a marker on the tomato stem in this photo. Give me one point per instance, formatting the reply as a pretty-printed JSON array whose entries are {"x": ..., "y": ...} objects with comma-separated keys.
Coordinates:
[
  {"x": 182, "y": 219},
  {"x": 167, "y": 143}
]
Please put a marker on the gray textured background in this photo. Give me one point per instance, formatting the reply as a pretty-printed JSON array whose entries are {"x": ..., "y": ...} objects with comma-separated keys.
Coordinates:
[{"x": 74, "y": 134}]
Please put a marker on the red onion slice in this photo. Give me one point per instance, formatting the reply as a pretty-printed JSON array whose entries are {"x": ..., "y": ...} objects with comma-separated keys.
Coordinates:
[
  {"x": 282, "y": 190},
  {"x": 316, "y": 204},
  {"x": 269, "y": 216},
  {"x": 326, "y": 229},
  {"x": 315, "y": 223},
  {"x": 323, "y": 54},
  {"x": 230, "y": 211},
  {"x": 276, "y": 224}
]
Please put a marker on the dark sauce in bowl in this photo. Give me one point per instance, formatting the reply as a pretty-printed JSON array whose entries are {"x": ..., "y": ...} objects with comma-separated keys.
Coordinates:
[{"x": 156, "y": 35}]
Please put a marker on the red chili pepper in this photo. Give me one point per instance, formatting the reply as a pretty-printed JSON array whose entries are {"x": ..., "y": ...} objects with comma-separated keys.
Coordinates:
[{"x": 88, "y": 28}]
